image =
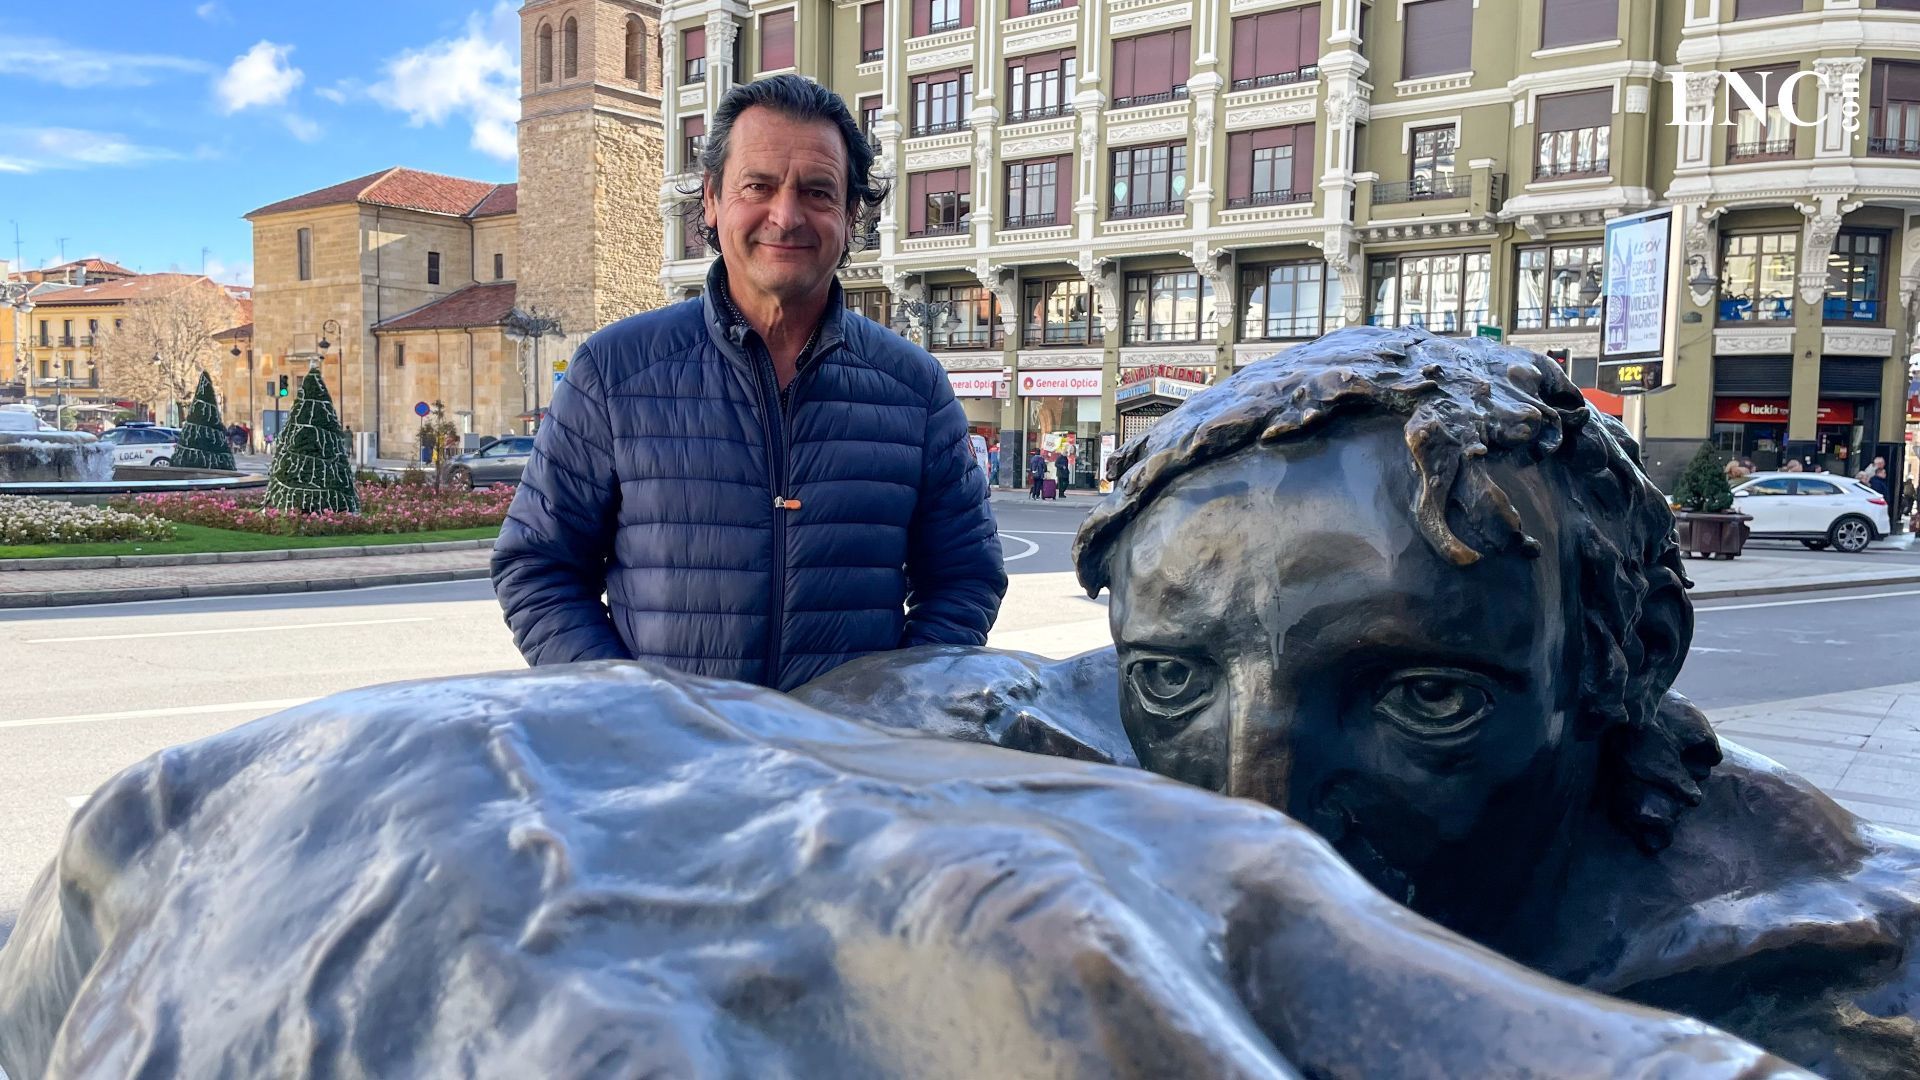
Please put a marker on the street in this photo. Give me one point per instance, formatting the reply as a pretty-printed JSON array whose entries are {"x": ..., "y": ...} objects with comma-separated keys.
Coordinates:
[{"x": 93, "y": 689}]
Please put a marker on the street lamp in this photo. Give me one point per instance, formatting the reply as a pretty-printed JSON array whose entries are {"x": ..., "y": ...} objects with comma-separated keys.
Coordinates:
[
  {"x": 520, "y": 326},
  {"x": 926, "y": 314}
]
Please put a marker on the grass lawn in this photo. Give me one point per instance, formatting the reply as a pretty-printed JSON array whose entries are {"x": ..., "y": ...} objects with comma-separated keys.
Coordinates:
[{"x": 192, "y": 539}]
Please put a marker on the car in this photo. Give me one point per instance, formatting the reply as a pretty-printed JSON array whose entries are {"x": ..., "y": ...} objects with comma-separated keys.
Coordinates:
[
  {"x": 499, "y": 462},
  {"x": 1818, "y": 509},
  {"x": 142, "y": 444}
]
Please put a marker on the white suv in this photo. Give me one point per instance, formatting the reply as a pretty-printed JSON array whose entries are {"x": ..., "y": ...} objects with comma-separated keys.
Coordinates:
[
  {"x": 142, "y": 444},
  {"x": 1817, "y": 509}
]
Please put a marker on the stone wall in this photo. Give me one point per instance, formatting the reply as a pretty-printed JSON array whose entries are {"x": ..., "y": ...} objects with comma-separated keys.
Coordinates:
[
  {"x": 288, "y": 312},
  {"x": 496, "y": 236},
  {"x": 472, "y": 375}
]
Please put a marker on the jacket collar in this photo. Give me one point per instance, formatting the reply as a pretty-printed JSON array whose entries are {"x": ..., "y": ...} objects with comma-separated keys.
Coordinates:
[{"x": 729, "y": 329}]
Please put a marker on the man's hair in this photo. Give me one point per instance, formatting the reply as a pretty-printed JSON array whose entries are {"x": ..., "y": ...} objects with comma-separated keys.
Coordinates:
[
  {"x": 1466, "y": 403},
  {"x": 799, "y": 99}
]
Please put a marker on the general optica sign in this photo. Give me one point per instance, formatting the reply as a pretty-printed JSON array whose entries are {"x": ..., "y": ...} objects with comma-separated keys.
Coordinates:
[
  {"x": 1062, "y": 383},
  {"x": 1633, "y": 308}
]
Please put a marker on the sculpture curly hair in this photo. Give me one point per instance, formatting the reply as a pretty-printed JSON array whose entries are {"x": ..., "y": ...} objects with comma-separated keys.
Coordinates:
[{"x": 1466, "y": 402}]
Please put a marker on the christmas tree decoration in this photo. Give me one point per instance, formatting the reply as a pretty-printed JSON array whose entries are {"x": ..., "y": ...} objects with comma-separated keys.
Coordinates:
[
  {"x": 1704, "y": 488},
  {"x": 310, "y": 467},
  {"x": 203, "y": 438}
]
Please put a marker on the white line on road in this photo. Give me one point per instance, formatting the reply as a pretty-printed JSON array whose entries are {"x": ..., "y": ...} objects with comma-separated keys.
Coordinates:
[
  {"x": 354, "y": 593},
  {"x": 1815, "y": 600},
  {"x": 145, "y": 714},
  {"x": 1044, "y": 532},
  {"x": 1031, "y": 548},
  {"x": 226, "y": 630}
]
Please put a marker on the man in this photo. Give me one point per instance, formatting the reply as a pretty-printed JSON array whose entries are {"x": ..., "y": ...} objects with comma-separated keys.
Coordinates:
[
  {"x": 764, "y": 484},
  {"x": 1877, "y": 476}
]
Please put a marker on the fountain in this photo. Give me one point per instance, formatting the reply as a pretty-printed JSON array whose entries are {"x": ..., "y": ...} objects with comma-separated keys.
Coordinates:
[{"x": 29, "y": 453}]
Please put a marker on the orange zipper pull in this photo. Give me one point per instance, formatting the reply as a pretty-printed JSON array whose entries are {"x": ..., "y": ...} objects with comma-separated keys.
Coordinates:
[{"x": 785, "y": 504}]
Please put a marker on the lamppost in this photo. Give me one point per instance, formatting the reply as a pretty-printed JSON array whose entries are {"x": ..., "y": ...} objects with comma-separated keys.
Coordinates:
[
  {"x": 14, "y": 296},
  {"x": 521, "y": 326},
  {"x": 925, "y": 314},
  {"x": 250, "y": 413}
]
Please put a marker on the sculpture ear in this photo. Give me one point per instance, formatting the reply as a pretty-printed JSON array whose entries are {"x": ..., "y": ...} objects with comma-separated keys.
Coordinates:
[{"x": 1665, "y": 629}]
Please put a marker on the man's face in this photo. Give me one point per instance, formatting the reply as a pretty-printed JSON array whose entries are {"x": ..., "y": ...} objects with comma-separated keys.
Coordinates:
[
  {"x": 780, "y": 207},
  {"x": 1287, "y": 634}
]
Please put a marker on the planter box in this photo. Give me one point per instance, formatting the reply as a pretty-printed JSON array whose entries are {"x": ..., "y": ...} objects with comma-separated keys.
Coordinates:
[{"x": 1711, "y": 534}]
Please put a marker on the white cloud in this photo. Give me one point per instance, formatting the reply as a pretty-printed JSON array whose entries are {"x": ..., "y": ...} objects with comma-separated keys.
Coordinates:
[
  {"x": 229, "y": 273},
  {"x": 259, "y": 76},
  {"x": 302, "y": 128},
  {"x": 30, "y": 150},
  {"x": 475, "y": 76},
  {"x": 333, "y": 94},
  {"x": 50, "y": 61},
  {"x": 211, "y": 12}
]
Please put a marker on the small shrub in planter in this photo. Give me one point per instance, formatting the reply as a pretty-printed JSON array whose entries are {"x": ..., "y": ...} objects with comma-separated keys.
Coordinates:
[{"x": 1704, "y": 524}]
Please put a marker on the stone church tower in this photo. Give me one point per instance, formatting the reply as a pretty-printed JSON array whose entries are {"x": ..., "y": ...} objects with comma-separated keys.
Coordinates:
[{"x": 591, "y": 154}]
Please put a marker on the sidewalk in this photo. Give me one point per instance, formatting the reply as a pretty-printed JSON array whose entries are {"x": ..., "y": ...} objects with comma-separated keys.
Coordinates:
[{"x": 1861, "y": 747}]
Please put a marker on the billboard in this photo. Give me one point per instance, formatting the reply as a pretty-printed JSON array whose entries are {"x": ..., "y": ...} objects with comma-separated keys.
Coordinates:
[{"x": 1634, "y": 293}]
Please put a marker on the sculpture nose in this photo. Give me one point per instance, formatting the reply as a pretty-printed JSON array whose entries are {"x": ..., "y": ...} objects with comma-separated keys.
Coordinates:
[{"x": 1260, "y": 740}]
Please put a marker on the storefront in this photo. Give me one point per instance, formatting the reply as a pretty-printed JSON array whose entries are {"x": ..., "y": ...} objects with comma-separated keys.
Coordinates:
[
  {"x": 980, "y": 394},
  {"x": 1756, "y": 428},
  {"x": 1849, "y": 432},
  {"x": 1062, "y": 410},
  {"x": 1148, "y": 393},
  {"x": 1750, "y": 407}
]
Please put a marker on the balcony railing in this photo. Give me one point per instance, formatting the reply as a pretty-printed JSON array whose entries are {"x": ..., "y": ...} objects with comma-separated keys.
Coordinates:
[
  {"x": 1035, "y": 7},
  {"x": 1757, "y": 151},
  {"x": 67, "y": 340},
  {"x": 944, "y": 228},
  {"x": 85, "y": 341},
  {"x": 1279, "y": 78},
  {"x": 868, "y": 56},
  {"x": 1268, "y": 198},
  {"x": 696, "y": 72},
  {"x": 1567, "y": 170},
  {"x": 1894, "y": 147},
  {"x": 1178, "y": 93},
  {"x": 1178, "y": 332},
  {"x": 940, "y": 129},
  {"x": 1146, "y": 210},
  {"x": 1045, "y": 336},
  {"x": 1033, "y": 221},
  {"x": 1041, "y": 112},
  {"x": 977, "y": 337},
  {"x": 1444, "y": 186},
  {"x": 943, "y": 27}
]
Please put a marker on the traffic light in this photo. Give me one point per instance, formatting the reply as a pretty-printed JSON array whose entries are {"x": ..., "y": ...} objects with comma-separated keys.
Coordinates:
[{"x": 283, "y": 386}]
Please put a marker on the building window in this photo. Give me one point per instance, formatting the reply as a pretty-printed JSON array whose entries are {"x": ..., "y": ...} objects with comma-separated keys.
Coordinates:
[
  {"x": 1172, "y": 305},
  {"x": 1037, "y": 192},
  {"x": 940, "y": 202},
  {"x": 940, "y": 16},
  {"x": 1149, "y": 181},
  {"x": 693, "y": 141},
  {"x": 1893, "y": 120},
  {"x": 941, "y": 102},
  {"x": 1571, "y": 134},
  {"x": 1288, "y": 300},
  {"x": 1554, "y": 284},
  {"x": 1017, "y": 8},
  {"x": 873, "y": 32},
  {"x": 1270, "y": 167},
  {"x": 546, "y": 53},
  {"x": 1439, "y": 38},
  {"x": 499, "y": 266},
  {"x": 693, "y": 48},
  {"x": 972, "y": 319},
  {"x": 1756, "y": 276},
  {"x": 1759, "y": 135},
  {"x": 570, "y": 48},
  {"x": 1058, "y": 312},
  {"x": 636, "y": 50},
  {"x": 1276, "y": 47},
  {"x": 1855, "y": 276},
  {"x": 869, "y": 302},
  {"x": 1431, "y": 164},
  {"x": 45, "y": 340},
  {"x": 1039, "y": 86},
  {"x": 399, "y": 354},
  {"x": 1578, "y": 22},
  {"x": 1151, "y": 69},
  {"x": 304, "y": 245},
  {"x": 1445, "y": 293},
  {"x": 869, "y": 118},
  {"x": 776, "y": 40},
  {"x": 1760, "y": 9},
  {"x": 433, "y": 268}
]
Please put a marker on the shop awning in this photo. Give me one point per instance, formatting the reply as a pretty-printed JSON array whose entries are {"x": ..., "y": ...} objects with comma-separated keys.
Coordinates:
[{"x": 1611, "y": 404}]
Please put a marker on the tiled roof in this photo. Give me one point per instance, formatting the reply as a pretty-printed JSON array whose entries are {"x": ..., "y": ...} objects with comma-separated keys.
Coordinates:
[
  {"x": 504, "y": 200},
  {"x": 405, "y": 189},
  {"x": 117, "y": 292},
  {"x": 475, "y": 305},
  {"x": 90, "y": 265}
]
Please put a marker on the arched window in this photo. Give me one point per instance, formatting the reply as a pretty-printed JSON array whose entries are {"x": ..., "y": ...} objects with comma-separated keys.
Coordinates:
[
  {"x": 636, "y": 51},
  {"x": 570, "y": 48},
  {"x": 546, "y": 53}
]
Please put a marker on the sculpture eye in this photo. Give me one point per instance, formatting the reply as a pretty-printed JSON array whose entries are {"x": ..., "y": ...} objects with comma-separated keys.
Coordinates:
[
  {"x": 1168, "y": 686},
  {"x": 1435, "y": 701}
]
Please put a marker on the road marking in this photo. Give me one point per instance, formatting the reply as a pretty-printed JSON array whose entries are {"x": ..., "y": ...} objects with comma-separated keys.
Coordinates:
[
  {"x": 1031, "y": 549},
  {"x": 225, "y": 630},
  {"x": 349, "y": 593},
  {"x": 1815, "y": 600},
  {"x": 145, "y": 714},
  {"x": 1044, "y": 532}
]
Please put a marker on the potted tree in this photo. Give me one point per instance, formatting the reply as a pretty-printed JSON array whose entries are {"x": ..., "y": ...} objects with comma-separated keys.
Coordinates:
[{"x": 1706, "y": 521}]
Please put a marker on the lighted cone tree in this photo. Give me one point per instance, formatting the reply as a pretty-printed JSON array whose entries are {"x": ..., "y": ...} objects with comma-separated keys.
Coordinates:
[
  {"x": 203, "y": 438},
  {"x": 310, "y": 467}
]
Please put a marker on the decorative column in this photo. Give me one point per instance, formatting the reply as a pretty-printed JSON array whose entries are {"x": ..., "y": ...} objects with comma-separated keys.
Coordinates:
[
  {"x": 887, "y": 129},
  {"x": 1205, "y": 89},
  {"x": 1816, "y": 243},
  {"x": 722, "y": 31},
  {"x": 1696, "y": 95},
  {"x": 1087, "y": 107},
  {"x": 1839, "y": 85},
  {"x": 1103, "y": 278},
  {"x": 1003, "y": 283}
]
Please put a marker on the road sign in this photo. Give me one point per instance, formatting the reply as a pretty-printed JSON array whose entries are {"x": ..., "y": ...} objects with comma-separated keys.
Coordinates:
[
  {"x": 1487, "y": 332},
  {"x": 560, "y": 365},
  {"x": 420, "y": 409},
  {"x": 559, "y": 377}
]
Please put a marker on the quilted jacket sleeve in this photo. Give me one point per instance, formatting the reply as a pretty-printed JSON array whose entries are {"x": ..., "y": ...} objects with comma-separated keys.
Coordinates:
[
  {"x": 955, "y": 578},
  {"x": 550, "y": 563}
]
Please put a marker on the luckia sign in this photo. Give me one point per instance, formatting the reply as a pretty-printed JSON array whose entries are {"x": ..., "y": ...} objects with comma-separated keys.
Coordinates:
[{"x": 1752, "y": 90}]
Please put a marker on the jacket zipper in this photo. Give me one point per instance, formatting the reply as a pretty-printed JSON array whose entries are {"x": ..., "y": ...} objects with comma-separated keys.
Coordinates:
[{"x": 768, "y": 385}]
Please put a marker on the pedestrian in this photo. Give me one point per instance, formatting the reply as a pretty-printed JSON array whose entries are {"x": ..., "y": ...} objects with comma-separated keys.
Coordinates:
[
  {"x": 1793, "y": 465},
  {"x": 993, "y": 463},
  {"x": 763, "y": 483},
  {"x": 1062, "y": 471},
  {"x": 1036, "y": 474},
  {"x": 1734, "y": 470},
  {"x": 1878, "y": 481}
]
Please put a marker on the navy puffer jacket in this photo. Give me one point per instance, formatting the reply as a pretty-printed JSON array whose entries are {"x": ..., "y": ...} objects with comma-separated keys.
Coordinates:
[{"x": 658, "y": 475}]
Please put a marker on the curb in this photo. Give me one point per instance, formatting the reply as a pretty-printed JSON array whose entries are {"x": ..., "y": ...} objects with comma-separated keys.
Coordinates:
[
  {"x": 1732, "y": 591},
  {"x": 110, "y": 562},
  {"x": 71, "y": 598}
]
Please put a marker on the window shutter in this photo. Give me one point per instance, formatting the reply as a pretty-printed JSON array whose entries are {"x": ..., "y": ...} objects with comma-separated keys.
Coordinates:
[
  {"x": 1577, "y": 22},
  {"x": 1279, "y": 39},
  {"x": 1771, "y": 75},
  {"x": 873, "y": 28},
  {"x": 1245, "y": 52},
  {"x": 695, "y": 125},
  {"x": 966, "y": 12},
  {"x": 1303, "y": 144},
  {"x": 1239, "y": 164},
  {"x": 1123, "y": 68},
  {"x": 1760, "y": 9},
  {"x": 1152, "y": 64},
  {"x": 916, "y": 203},
  {"x": 1016, "y": 8},
  {"x": 1307, "y": 52},
  {"x": 776, "y": 41},
  {"x": 1439, "y": 37},
  {"x": 1571, "y": 112},
  {"x": 1063, "y": 189},
  {"x": 963, "y": 181},
  {"x": 695, "y": 46},
  {"x": 1182, "y": 46},
  {"x": 1902, "y": 81},
  {"x": 922, "y": 16}
]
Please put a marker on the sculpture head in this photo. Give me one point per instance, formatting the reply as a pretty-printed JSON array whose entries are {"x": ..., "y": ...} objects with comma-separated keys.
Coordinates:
[{"x": 1413, "y": 592}]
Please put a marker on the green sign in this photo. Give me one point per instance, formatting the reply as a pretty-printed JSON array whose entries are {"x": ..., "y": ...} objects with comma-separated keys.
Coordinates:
[{"x": 1487, "y": 332}]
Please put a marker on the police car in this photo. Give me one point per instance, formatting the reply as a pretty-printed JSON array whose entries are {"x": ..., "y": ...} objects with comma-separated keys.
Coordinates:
[{"x": 142, "y": 443}]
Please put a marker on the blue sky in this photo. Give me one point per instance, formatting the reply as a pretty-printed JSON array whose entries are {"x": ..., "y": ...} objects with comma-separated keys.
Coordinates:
[{"x": 140, "y": 130}]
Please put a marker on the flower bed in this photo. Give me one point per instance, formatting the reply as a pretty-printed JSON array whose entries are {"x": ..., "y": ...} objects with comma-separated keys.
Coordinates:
[
  {"x": 384, "y": 508},
  {"x": 28, "y": 520}
]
